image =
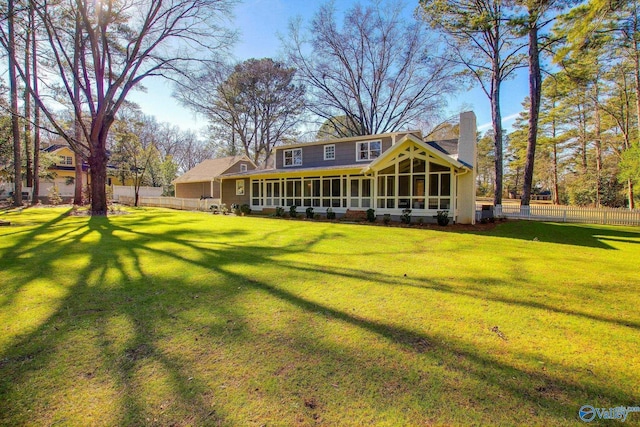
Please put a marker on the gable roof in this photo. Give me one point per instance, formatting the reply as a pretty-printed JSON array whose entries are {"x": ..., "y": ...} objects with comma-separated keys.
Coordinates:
[
  {"x": 55, "y": 147},
  {"x": 210, "y": 169},
  {"x": 435, "y": 152}
]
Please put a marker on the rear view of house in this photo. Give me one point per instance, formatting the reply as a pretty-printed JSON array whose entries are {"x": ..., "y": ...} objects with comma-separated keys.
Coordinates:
[{"x": 388, "y": 172}]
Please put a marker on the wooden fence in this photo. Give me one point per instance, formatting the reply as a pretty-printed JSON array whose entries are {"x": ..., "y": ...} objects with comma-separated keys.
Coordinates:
[
  {"x": 569, "y": 214},
  {"x": 172, "y": 202}
]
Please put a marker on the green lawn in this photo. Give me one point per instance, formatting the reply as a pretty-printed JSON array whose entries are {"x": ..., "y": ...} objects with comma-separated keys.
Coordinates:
[{"x": 171, "y": 318}]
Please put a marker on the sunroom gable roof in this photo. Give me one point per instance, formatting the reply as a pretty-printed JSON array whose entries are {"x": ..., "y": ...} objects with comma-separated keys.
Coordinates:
[{"x": 403, "y": 143}]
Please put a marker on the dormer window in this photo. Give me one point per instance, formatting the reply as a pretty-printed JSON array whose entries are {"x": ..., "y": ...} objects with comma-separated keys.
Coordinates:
[
  {"x": 330, "y": 152},
  {"x": 243, "y": 167},
  {"x": 368, "y": 150},
  {"x": 292, "y": 157}
]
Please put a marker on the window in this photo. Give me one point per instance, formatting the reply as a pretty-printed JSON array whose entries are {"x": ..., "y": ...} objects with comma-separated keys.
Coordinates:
[
  {"x": 66, "y": 160},
  {"x": 439, "y": 187},
  {"x": 243, "y": 167},
  {"x": 293, "y": 157},
  {"x": 330, "y": 152},
  {"x": 239, "y": 187},
  {"x": 368, "y": 150}
]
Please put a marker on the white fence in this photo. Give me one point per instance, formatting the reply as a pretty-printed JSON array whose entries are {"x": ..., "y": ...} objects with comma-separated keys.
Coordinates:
[
  {"x": 172, "y": 202},
  {"x": 129, "y": 191},
  {"x": 569, "y": 214}
]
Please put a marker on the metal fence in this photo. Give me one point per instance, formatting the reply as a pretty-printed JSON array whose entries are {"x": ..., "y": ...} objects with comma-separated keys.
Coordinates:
[
  {"x": 172, "y": 202},
  {"x": 607, "y": 216}
]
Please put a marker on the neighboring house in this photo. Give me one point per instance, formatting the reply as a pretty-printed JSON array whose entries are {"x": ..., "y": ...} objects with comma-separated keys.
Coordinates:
[
  {"x": 203, "y": 181},
  {"x": 64, "y": 167},
  {"x": 389, "y": 172}
]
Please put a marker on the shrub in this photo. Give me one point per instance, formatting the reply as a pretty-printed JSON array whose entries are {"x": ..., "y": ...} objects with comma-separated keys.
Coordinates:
[
  {"x": 292, "y": 212},
  {"x": 245, "y": 209},
  {"x": 442, "y": 217},
  {"x": 371, "y": 215},
  {"x": 279, "y": 212},
  {"x": 54, "y": 195},
  {"x": 309, "y": 212},
  {"x": 317, "y": 216},
  {"x": 386, "y": 219},
  {"x": 331, "y": 214},
  {"x": 405, "y": 218}
]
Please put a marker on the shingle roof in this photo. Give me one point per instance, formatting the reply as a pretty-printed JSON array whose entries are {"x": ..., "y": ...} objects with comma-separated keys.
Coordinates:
[
  {"x": 209, "y": 169},
  {"x": 285, "y": 171},
  {"x": 54, "y": 147},
  {"x": 447, "y": 146}
]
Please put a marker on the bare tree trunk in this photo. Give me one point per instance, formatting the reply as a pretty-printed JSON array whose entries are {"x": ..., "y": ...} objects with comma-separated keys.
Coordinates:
[
  {"x": 27, "y": 106},
  {"x": 36, "y": 108},
  {"x": 77, "y": 193},
  {"x": 15, "y": 123},
  {"x": 535, "y": 83},
  {"x": 98, "y": 170},
  {"x": 496, "y": 120},
  {"x": 556, "y": 195},
  {"x": 636, "y": 75},
  {"x": 598, "y": 146}
]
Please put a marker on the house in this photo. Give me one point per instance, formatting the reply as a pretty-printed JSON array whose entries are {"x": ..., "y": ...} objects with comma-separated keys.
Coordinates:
[
  {"x": 388, "y": 172},
  {"x": 203, "y": 181},
  {"x": 63, "y": 169},
  {"x": 63, "y": 176}
]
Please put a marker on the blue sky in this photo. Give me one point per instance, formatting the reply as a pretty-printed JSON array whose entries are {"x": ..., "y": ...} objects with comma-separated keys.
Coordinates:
[{"x": 259, "y": 22}]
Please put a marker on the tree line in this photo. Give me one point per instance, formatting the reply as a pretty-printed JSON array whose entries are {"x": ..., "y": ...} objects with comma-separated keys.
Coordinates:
[{"x": 577, "y": 137}]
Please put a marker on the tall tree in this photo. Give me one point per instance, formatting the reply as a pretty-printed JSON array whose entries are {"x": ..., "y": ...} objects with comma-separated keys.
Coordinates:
[
  {"x": 378, "y": 69},
  {"x": 36, "y": 108},
  {"x": 479, "y": 33},
  {"x": 28, "y": 144},
  {"x": 126, "y": 42},
  {"x": 618, "y": 24},
  {"x": 257, "y": 100},
  {"x": 538, "y": 14},
  {"x": 13, "y": 89}
]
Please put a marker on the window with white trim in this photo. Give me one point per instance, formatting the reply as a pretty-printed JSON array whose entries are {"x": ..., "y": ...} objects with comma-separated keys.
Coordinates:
[
  {"x": 292, "y": 157},
  {"x": 368, "y": 150},
  {"x": 243, "y": 167},
  {"x": 330, "y": 152},
  {"x": 239, "y": 187},
  {"x": 66, "y": 160}
]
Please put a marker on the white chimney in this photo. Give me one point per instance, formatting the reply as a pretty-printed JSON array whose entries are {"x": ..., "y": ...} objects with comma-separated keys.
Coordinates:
[
  {"x": 467, "y": 153},
  {"x": 467, "y": 141}
]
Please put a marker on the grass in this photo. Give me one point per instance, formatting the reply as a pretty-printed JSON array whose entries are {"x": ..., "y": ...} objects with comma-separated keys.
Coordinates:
[{"x": 171, "y": 318}]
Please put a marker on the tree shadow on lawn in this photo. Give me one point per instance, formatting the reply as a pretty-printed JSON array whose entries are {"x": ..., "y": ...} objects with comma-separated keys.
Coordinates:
[
  {"x": 154, "y": 308},
  {"x": 592, "y": 236},
  {"x": 470, "y": 290}
]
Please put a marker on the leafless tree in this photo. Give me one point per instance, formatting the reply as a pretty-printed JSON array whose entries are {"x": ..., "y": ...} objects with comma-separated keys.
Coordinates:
[
  {"x": 124, "y": 43},
  {"x": 377, "y": 72},
  {"x": 256, "y": 103},
  {"x": 13, "y": 89}
]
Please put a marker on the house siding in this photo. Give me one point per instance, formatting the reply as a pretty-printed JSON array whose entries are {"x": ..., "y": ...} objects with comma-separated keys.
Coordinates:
[
  {"x": 313, "y": 155},
  {"x": 229, "y": 196},
  {"x": 194, "y": 190},
  {"x": 235, "y": 168}
]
